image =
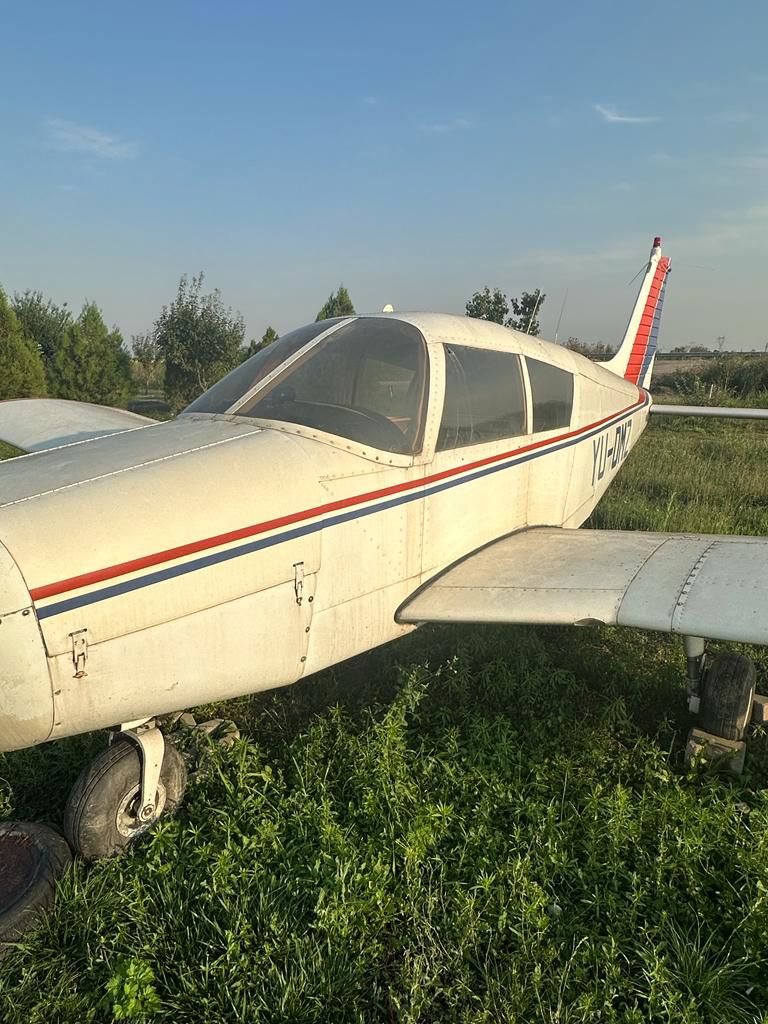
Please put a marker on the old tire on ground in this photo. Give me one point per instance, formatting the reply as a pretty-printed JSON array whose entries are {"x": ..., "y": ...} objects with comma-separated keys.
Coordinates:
[
  {"x": 726, "y": 701},
  {"x": 32, "y": 859},
  {"x": 101, "y": 818}
]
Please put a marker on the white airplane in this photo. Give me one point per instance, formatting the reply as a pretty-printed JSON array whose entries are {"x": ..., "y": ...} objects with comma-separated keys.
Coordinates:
[{"x": 356, "y": 478}]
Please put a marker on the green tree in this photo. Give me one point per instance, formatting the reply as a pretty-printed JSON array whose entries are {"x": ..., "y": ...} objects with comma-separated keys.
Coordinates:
[
  {"x": 494, "y": 305},
  {"x": 526, "y": 310},
  {"x": 147, "y": 361},
  {"x": 267, "y": 338},
  {"x": 21, "y": 368},
  {"x": 199, "y": 339},
  {"x": 489, "y": 305},
  {"x": 43, "y": 323},
  {"x": 338, "y": 304},
  {"x": 91, "y": 363}
]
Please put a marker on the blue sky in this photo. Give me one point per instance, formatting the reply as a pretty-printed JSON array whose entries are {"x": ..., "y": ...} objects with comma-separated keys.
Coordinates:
[{"x": 414, "y": 151}]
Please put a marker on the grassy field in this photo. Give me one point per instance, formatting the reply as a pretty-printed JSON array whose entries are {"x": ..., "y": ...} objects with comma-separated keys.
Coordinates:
[{"x": 473, "y": 825}]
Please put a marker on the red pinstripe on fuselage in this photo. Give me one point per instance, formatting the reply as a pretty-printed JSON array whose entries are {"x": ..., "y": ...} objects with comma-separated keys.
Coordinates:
[{"x": 157, "y": 558}]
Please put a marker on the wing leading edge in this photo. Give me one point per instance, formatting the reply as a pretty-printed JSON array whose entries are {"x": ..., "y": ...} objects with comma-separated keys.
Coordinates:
[
  {"x": 36, "y": 424},
  {"x": 693, "y": 584}
]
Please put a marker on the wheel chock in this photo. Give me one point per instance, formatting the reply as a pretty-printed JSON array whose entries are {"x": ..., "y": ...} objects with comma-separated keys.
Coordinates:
[
  {"x": 760, "y": 709},
  {"x": 715, "y": 748}
]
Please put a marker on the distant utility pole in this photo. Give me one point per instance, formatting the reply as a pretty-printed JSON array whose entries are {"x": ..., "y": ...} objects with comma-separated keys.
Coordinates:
[{"x": 720, "y": 342}]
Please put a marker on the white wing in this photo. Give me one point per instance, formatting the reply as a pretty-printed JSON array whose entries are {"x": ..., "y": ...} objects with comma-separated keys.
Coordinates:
[
  {"x": 723, "y": 412},
  {"x": 693, "y": 584},
  {"x": 34, "y": 424}
]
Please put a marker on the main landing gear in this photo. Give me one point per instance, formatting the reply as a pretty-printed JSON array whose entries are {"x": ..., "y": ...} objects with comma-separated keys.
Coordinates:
[
  {"x": 721, "y": 693},
  {"x": 125, "y": 790}
]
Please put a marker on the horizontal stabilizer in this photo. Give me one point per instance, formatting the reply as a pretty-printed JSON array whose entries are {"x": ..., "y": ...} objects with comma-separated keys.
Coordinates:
[
  {"x": 694, "y": 584},
  {"x": 36, "y": 424},
  {"x": 723, "y": 411}
]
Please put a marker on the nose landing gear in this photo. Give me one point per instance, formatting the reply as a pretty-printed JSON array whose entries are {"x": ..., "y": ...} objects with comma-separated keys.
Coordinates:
[{"x": 125, "y": 790}]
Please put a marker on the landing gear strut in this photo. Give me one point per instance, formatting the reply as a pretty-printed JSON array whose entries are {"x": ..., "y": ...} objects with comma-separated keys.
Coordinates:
[
  {"x": 151, "y": 744},
  {"x": 695, "y": 656}
]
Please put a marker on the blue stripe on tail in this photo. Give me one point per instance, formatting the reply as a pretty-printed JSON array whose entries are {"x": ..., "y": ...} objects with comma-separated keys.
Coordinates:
[{"x": 653, "y": 339}]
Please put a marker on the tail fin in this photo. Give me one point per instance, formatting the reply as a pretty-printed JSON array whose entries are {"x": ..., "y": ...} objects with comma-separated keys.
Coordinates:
[{"x": 635, "y": 358}]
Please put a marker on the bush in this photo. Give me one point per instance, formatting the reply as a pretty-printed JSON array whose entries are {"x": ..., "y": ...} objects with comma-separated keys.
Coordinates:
[
  {"x": 21, "y": 368},
  {"x": 728, "y": 377}
]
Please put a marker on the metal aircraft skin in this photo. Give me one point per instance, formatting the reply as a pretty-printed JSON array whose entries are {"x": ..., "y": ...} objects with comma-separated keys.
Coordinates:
[{"x": 285, "y": 520}]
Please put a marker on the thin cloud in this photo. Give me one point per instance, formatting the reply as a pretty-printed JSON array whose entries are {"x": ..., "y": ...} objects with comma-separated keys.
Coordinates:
[
  {"x": 458, "y": 124},
  {"x": 70, "y": 137},
  {"x": 751, "y": 162},
  {"x": 733, "y": 116},
  {"x": 728, "y": 231},
  {"x": 614, "y": 117}
]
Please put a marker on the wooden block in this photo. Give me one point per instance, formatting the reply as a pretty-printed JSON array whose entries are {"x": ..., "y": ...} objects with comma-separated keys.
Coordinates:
[
  {"x": 760, "y": 709},
  {"x": 732, "y": 752}
]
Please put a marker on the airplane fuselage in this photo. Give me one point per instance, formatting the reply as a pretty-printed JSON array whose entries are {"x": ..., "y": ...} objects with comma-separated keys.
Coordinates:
[{"x": 221, "y": 554}]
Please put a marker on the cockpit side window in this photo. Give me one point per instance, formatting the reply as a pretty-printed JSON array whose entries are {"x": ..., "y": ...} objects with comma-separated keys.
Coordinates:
[
  {"x": 223, "y": 395},
  {"x": 552, "y": 393},
  {"x": 484, "y": 397},
  {"x": 367, "y": 382}
]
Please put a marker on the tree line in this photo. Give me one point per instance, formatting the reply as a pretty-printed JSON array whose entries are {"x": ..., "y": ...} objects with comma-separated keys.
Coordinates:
[{"x": 47, "y": 350}]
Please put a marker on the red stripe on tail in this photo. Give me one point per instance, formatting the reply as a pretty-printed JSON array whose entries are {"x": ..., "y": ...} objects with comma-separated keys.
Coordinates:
[{"x": 640, "y": 345}]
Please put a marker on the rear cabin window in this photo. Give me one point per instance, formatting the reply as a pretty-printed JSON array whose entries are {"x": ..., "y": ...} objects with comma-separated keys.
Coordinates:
[
  {"x": 484, "y": 397},
  {"x": 367, "y": 381},
  {"x": 552, "y": 391}
]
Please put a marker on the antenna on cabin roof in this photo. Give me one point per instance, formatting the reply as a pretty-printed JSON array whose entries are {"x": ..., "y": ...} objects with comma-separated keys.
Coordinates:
[
  {"x": 562, "y": 310},
  {"x": 389, "y": 308},
  {"x": 533, "y": 314}
]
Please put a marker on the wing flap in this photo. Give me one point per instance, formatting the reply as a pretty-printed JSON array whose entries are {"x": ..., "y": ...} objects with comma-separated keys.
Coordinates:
[
  {"x": 693, "y": 584},
  {"x": 36, "y": 424}
]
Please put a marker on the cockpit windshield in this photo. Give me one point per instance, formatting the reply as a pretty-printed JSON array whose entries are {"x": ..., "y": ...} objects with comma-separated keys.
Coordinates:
[
  {"x": 230, "y": 389},
  {"x": 366, "y": 381}
]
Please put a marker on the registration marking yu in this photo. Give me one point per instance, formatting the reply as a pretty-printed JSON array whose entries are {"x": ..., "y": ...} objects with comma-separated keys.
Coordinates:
[{"x": 610, "y": 449}]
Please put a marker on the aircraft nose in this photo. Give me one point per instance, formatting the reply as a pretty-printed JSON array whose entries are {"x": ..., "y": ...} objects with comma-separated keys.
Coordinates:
[{"x": 26, "y": 699}]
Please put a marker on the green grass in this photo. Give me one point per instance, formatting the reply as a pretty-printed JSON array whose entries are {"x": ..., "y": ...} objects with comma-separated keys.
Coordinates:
[
  {"x": 693, "y": 476},
  {"x": 7, "y": 451},
  {"x": 475, "y": 825}
]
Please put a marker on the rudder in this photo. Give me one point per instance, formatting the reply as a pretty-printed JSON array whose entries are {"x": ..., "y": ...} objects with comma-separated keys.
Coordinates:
[{"x": 635, "y": 357}]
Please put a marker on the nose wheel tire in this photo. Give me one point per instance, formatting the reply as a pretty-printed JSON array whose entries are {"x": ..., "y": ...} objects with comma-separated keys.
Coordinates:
[
  {"x": 103, "y": 814},
  {"x": 728, "y": 692}
]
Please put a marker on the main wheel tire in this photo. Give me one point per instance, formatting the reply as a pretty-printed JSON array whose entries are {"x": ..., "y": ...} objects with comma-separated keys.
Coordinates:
[
  {"x": 32, "y": 859},
  {"x": 728, "y": 692},
  {"x": 101, "y": 816}
]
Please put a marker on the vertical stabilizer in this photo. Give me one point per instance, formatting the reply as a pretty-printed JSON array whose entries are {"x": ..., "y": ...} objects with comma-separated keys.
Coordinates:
[{"x": 635, "y": 358}]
